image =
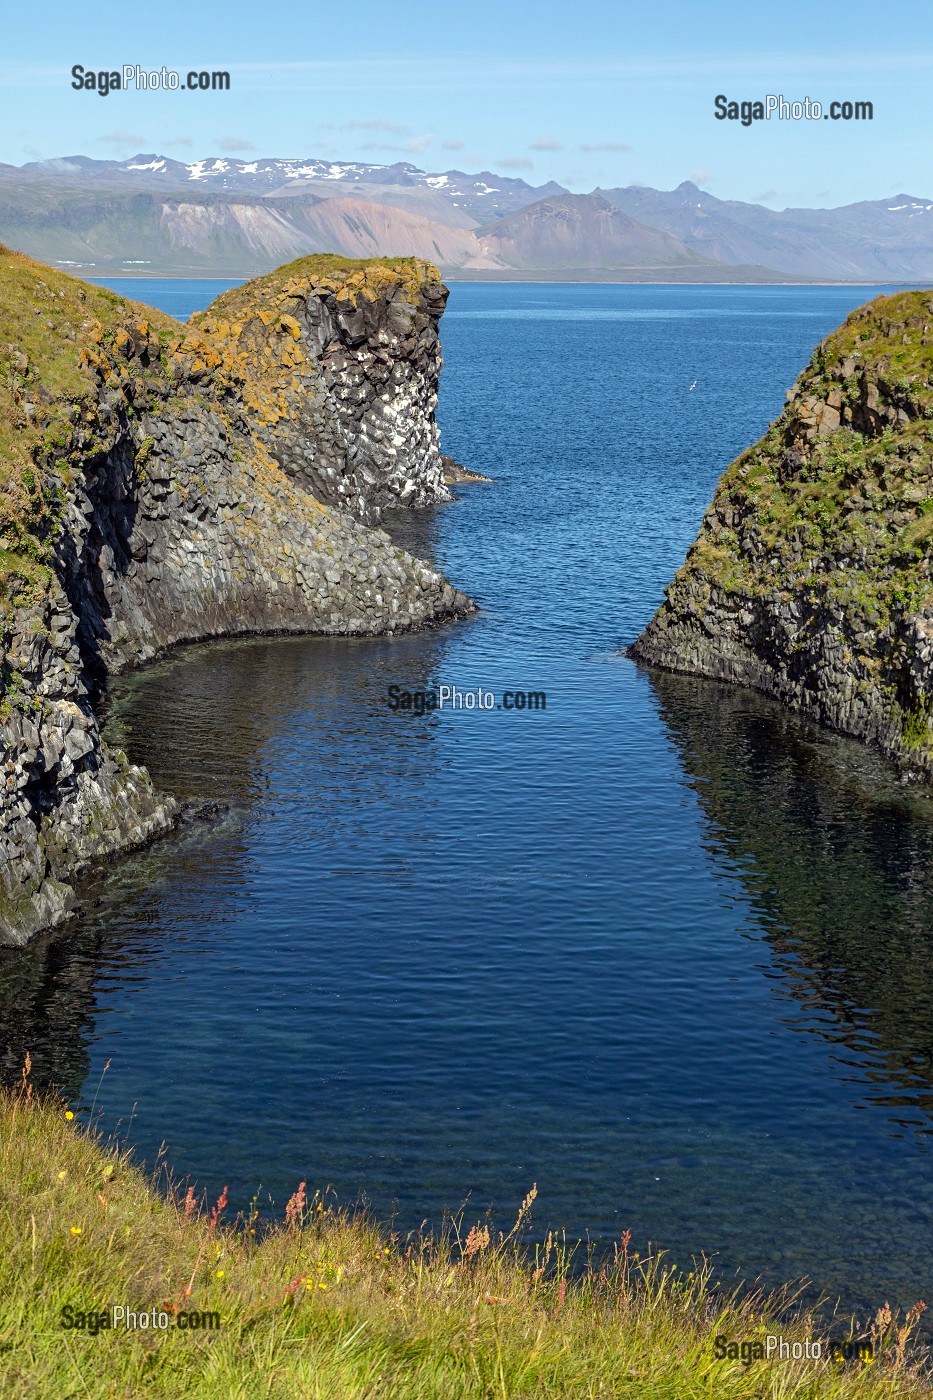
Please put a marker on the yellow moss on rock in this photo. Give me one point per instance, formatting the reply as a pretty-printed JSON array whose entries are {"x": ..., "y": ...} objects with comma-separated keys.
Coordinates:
[{"x": 50, "y": 378}]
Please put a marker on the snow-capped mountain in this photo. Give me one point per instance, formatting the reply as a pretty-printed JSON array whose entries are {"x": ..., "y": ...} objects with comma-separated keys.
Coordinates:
[
  {"x": 237, "y": 216},
  {"x": 479, "y": 197}
]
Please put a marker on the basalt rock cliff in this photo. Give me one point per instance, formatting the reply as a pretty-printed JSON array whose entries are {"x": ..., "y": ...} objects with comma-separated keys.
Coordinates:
[
  {"x": 162, "y": 484},
  {"x": 811, "y": 578},
  {"x": 343, "y": 396}
]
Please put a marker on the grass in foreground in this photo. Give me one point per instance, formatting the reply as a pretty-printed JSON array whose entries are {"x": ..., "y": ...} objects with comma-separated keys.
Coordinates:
[{"x": 325, "y": 1305}]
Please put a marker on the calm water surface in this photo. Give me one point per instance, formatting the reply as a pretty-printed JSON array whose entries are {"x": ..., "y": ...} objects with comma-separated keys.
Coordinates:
[{"x": 661, "y": 949}]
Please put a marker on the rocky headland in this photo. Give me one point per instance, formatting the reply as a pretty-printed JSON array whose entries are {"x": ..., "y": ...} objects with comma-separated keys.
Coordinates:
[
  {"x": 810, "y": 578},
  {"x": 162, "y": 483}
]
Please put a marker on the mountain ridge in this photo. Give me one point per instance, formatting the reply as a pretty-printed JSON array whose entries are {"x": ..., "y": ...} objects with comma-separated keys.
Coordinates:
[
  {"x": 223, "y": 216},
  {"x": 581, "y": 230},
  {"x": 273, "y": 175},
  {"x": 850, "y": 241}
]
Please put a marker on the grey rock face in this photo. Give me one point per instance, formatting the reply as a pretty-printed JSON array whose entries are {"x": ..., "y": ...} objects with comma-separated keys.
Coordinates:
[
  {"x": 209, "y": 538},
  {"x": 348, "y": 384},
  {"x": 66, "y": 799},
  {"x": 811, "y": 578},
  {"x": 182, "y": 516}
]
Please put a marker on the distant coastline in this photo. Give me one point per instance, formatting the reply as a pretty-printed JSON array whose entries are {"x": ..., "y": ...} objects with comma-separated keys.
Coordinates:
[
  {"x": 152, "y": 216},
  {"x": 577, "y": 277}
]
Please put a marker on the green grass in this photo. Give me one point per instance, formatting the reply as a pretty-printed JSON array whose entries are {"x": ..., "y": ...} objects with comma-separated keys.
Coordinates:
[
  {"x": 893, "y": 334},
  {"x": 356, "y": 275},
  {"x": 46, "y": 319},
  {"x": 838, "y": 522},
  {"x": 326, "y": 1305}
]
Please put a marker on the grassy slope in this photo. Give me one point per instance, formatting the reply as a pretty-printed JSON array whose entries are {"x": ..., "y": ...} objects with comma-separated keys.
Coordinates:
[
  {"x": 849, "y": 525},
  {"x": 329, "y": 1306},
  {"x": 330, "y": 270},
  {"x": 46, "y": 319},
  {"x": 819, "y": 506}
]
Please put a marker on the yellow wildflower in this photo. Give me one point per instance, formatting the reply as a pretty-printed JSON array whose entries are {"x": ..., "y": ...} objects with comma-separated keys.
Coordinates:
[
  {"x": 68, "y": 1114},
  {"x": 76, "y": 1229}
]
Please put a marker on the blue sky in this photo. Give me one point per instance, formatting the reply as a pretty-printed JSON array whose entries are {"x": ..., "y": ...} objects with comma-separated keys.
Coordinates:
[{"x": 587, "y": 93}]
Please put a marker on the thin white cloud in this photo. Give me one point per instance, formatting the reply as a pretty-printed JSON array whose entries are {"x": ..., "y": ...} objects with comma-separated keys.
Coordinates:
[
  {"x": 604, "y": 146},
  {"x": 765, "y": 196},
  {"x": 235, "y": 143},
  {"x": 516, "y": 163},
  {"x": 421, "y": 143},
  {"x": 491, "y": 66},
  {"x": 123, "y": 138},
  {"x": 575, "y": 177},
  {"x": 392, "y": 128},
  {"x": 701, "y": 177},
  {"x": 546, "y": 143},
  {"x": 415, "y": 146},
  {"x": 452, "y": 145},
  {"x": 478, "y": 71}
]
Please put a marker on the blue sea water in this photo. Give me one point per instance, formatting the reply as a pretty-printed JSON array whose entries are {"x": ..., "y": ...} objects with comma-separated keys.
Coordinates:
[
  {"x": 659, "y": 948},
  {"x": 178, "y": 296}
]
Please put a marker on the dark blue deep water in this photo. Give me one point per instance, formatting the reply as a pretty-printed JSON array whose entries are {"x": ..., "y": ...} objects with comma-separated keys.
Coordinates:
[{"x": 660, "y": 948}]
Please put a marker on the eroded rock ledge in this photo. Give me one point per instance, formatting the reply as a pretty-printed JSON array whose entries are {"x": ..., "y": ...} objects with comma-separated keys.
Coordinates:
[
  {"x": 162, "y": 484},
  {"x": 810, "y": 578}
]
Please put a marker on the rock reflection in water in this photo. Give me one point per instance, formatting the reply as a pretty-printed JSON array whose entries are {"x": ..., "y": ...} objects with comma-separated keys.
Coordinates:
[
  {"x": 838, "y": 859},
  {"x": 201, "y": 731}
]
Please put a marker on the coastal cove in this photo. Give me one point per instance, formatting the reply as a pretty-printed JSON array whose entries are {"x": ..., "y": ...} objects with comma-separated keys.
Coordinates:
[{"x": 661, "y": 947}]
